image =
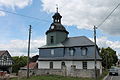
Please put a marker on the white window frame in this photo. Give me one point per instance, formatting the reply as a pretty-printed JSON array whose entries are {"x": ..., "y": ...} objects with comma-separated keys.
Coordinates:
[{"x": 84, "y": 63}]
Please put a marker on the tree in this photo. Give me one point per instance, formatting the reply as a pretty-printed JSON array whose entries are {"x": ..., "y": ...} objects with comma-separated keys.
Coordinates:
[
  {"x": 109, "y": 57},
  {"x": 19, "y": 62}
]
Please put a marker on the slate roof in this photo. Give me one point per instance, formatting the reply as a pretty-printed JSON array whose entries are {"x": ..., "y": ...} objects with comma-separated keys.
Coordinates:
[
  {"x": 76, "y": 42},
  {"x": 72, "y": 42},
  {"x": 57, "y": 27},
  {"x": 59, "y": 54},
  {"x": 2, "y": 52},
  {"x": 32, "y": 65}
]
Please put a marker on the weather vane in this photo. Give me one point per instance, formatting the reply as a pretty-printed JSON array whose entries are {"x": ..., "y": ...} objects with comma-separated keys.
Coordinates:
[{"x": 57, "y": 7}]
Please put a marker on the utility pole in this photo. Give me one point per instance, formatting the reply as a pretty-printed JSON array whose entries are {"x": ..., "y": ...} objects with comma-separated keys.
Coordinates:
[
  {"x": 95, "y": 52},
  {"x": 28, "y": 52},
  {"x": 106, "y": 61}
]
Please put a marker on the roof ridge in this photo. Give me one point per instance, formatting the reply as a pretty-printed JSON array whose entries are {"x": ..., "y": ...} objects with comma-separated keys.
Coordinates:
[
  {"x": 3, "y": 50},
  {"x": 76, "y": 36}
]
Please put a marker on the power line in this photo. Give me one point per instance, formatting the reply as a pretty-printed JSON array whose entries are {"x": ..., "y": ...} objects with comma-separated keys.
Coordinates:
[
  {"x": 109, "y": 15},
  {"x": 24, "y": 15}
]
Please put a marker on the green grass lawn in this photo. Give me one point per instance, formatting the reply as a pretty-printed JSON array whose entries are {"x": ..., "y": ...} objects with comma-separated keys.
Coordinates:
[
  {"x": 55, "y": 77},
  {"x": 52, "y": 77}
]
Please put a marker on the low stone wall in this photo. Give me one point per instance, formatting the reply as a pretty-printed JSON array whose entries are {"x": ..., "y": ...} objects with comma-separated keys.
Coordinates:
[
  {"x": 62, "y": 72},
  {"x": 83, "y": 73},
  {"x": 23, "y": 73},
  {"x": 49, "y": 71}
]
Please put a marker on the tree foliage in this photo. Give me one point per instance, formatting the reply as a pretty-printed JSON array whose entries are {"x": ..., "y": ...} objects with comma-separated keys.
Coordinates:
[
  {"x": 19, "y": 62},
  {"x": 109, "y": 57}
]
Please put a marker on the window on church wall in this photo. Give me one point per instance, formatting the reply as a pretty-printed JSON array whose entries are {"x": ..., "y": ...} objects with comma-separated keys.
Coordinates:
[
  {"x": 84, "y": 63},
  {"x": 84, "y": 51},
  {"x": 62, "y": 64},
  {"x": 51, "y": 65},
  {"x": 71, "y": 51},
  {"x": 52, "y": 39}
]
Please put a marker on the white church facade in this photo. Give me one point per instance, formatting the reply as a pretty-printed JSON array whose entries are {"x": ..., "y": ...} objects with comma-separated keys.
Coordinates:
[{"x": 67, "y": 56}]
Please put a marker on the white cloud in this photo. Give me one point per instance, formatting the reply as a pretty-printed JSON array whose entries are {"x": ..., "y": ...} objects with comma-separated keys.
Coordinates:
[
  {"x": 104, "y": 42},
  {"x": 2, "y": 13},
  {"x": 86, "y": 13},
  {"x": 19, "y": 47},
  {"x": 15, "y": 3}
]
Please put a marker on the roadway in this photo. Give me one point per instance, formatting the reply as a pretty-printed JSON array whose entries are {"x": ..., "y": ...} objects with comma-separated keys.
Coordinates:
[{"x": 114, "y": 77}]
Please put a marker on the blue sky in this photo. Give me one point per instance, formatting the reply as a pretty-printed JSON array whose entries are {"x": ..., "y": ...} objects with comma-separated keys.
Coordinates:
[{"x": 78, "y": 17}]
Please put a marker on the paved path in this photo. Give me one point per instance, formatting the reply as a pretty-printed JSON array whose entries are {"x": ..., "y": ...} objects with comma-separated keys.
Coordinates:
[{"x": 114, "y": 77}]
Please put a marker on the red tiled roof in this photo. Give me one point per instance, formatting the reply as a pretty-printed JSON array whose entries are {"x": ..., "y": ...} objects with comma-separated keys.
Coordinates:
[
  {"x": 32, "y": 65},
  {"x": 2, "y": 52}
]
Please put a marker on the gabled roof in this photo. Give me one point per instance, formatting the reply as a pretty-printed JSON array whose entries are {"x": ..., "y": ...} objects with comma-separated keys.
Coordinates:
[
  {"x": 77, "y": 41},
  {"x": 3, "y": 52},
  {"x": 32, "y": 65}
]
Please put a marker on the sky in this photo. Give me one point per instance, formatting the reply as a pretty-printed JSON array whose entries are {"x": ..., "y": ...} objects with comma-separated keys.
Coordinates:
[{"x": 78, "y": 17}]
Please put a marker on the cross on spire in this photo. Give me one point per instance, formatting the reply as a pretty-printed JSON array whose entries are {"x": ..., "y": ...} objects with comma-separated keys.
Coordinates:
[{"x": 57, "y": 8}]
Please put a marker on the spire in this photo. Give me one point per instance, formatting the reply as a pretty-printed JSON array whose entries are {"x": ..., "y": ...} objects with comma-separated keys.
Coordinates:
[
  {"x": 57, "y": 8},
  {"x": 57, "y": 17}
]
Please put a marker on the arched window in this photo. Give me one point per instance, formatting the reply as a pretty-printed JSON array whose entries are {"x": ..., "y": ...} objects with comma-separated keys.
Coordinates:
[
  {"x": 62, "y": 64},
  {"x": 51, "y": 65}
]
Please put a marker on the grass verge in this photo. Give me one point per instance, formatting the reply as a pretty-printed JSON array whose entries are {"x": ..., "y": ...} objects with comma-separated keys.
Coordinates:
[{"x": 55, "y": 77}]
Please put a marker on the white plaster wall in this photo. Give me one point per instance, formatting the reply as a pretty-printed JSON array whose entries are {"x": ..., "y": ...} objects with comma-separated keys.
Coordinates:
[
  {"x": 91, "y": 64},
  {"x": 46, "y": 64},
  {"x": 68, "y": 66},
  {"x": 43, "y": 64},
  {"x": 78, "y": 64},
  {"x": 56, "y": 64}
]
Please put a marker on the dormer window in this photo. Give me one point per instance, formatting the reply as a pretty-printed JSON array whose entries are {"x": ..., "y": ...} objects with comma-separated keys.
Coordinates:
[
  {"x": 71, "y": 51},
  {"x": 84, "y": 51},
  {"x": 52, "y": 39},
  {"x": 52, "y": 51}
]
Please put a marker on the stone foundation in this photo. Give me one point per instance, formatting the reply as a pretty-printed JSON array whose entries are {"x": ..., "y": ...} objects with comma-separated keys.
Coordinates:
[{"x": 62, "y": 72}]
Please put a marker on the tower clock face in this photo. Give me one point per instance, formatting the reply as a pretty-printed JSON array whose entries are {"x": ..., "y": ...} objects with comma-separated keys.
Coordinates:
[{"x": 52, "y": 27}]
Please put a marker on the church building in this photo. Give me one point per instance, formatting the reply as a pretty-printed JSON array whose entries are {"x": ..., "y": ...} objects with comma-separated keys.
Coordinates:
[{"x": 67, "y": 56}]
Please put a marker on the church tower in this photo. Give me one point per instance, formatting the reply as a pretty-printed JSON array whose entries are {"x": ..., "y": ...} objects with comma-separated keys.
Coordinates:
[{"x": 57, "y": 32}]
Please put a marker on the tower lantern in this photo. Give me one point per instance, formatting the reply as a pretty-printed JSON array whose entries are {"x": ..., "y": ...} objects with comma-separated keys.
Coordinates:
[{"x": 57, "y": 32}]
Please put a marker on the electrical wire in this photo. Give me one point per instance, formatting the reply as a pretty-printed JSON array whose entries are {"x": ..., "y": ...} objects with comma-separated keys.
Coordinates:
[
  {"x": 108, "y": 15},
  {"x": 24, "y": 15}
]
